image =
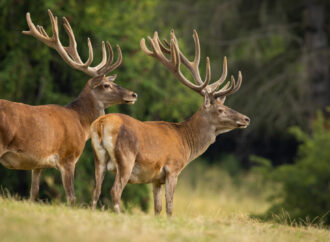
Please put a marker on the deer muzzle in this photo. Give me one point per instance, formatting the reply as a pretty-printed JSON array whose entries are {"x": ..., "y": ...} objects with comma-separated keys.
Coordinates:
[{"x": 243, "y": 122}]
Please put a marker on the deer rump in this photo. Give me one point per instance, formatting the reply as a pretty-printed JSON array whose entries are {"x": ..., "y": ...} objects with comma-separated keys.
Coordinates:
[{"x": 120, "y": 142}]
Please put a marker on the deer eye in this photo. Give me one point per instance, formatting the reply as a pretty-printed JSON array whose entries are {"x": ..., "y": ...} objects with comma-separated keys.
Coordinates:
[
  {"x": 220, "y": 110},
  {"x": 106, "y": 86}
]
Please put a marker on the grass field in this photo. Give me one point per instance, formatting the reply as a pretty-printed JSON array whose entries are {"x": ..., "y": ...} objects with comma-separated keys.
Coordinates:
[{"x": 200, "y": 214}]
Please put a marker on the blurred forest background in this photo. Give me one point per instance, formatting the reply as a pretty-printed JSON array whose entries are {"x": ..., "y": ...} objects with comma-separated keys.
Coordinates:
[{"x": 282, "y": 48}]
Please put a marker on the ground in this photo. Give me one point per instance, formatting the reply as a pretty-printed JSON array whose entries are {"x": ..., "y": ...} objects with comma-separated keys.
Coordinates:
[{"x": 200, "y": 214}]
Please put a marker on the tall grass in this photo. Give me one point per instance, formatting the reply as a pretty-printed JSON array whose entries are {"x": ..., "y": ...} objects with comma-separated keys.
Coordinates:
[{"x": 210, "y": 191}]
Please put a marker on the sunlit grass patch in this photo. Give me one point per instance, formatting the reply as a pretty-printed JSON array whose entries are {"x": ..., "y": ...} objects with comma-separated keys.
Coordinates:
[
  {"x": 208, "y": 206},
  {"x": 212, "y": 192},
  {"x": 25, "y": 221}
]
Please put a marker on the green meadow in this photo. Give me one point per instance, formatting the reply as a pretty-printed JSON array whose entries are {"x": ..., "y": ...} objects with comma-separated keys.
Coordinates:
[{"x": 213, "y": 208}]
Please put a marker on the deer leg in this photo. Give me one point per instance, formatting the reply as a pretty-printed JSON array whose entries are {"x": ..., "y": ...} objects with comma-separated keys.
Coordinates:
[
  {"x": 124, "y": 170},
  {"x": 157, "y": 192},
  {"x": 67, "y": 172},
  {"x": 170, "y": 184},
  {"x": 99, "y": 176},
  {"x": 36, "y": 174}
]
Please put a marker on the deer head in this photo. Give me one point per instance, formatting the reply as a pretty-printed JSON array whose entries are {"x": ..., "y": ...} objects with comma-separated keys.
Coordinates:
[
  {"x": 102, "y": 87},
  {"x": 213, "y": 109}
]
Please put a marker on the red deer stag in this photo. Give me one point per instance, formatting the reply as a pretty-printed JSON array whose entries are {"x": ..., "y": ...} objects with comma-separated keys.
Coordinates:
[
  {"x": 52, "y": 136},
  {"x": 156, "y": 152}
]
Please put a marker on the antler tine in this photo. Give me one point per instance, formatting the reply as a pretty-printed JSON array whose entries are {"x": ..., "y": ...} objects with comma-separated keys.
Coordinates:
[
  {"x": 111, "y": 55},
  {"x": 208, "y": 70},
  {"x": 226, "y": 89},
  {"x": 238, "y": 84},
  {"x": 156, "y": 46},
  {"x": 144, "y": 47},
  {"x": 42, "y": 31},
  {"x": 158, "y": 49},
  {"x": 214, "y": 86},
  {"x": 35, "y": 32},
  {"x": 72, "y": 48},
  {"x": 104, "y": 57},
  {"x": 69, "y": 53},
  {"x": 197, "y": 48},
  {"x": 54, "y": 22},
  {"x": 90, "y": 54},
  {"x": 233, "y": 88},
  {"x": 108, "y": 67},
  {"x": 119, "y": 59},
  {"x": 184, "y": 60},
  {"x": 192, "y": 65},
  {"x": 163, "y": 48},
  {"x": 176, "y": 58}
]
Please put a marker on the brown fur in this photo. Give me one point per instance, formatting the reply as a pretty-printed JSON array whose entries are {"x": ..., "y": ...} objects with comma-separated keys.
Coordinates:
[
  {"x": 155, "y": 152},
  {"x": 52, "y": 136}
]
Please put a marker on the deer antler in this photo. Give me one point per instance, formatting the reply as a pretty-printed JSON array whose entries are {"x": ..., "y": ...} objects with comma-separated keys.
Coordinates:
[
  {"x": 202, "y": 87},
  {"x": 174, "y": 63},
  {"x": 69, "y": 53}
]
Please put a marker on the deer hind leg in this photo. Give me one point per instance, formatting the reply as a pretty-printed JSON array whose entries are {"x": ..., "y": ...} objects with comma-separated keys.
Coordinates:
[
  {"x": 157, "y": 192},
  {"x": 170, "y": 183},
  {"x": 67, "y": 173},
  {"x": 124, "y": 164},
  {"x": 100, "y": 158},
  {"x": 36, "y": 174},
  {"x": 121, "y": 149}
]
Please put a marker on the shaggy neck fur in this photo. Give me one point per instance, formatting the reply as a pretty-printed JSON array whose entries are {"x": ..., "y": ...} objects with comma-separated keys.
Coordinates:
[
  {"x": 87, "y": 107},
  {"x": 199, "y": 134}
]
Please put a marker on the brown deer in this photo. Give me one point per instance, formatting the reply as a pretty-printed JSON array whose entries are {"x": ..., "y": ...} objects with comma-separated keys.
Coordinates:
[
  {"x": 156, "y": 152},
  {"x": 52, "y": 136}
]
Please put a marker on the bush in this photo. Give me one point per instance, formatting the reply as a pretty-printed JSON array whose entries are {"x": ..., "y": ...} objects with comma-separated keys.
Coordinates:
[{"x": 305, "y": 185}]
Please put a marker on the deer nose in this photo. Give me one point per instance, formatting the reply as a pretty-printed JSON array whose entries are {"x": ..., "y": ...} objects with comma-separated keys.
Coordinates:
[
  {"x": 134, "y": 95},
  {"x": 246, "y": 119}
]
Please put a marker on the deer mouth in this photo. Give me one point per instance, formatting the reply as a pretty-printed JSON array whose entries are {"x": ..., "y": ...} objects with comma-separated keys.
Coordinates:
[
  {"x": 241, "y": 125},
  {"x": 130, "y": 100}
]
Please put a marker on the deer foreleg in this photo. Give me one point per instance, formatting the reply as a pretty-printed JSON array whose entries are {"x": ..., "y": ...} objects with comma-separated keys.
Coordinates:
[
  {"x": 67, "y": 172},
  {"x": 157, "y": 192},
  {"x": 170, "y": 184},
  {"x": 36, "y": 174}
]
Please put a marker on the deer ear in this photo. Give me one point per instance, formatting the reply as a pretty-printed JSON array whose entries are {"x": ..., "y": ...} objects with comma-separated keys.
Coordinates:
[
  {"x": 207, "y": 101},
  {"x": 96, "y": 81},
  {"x": 111, "y": 78},
  {"x": 222, "y": 99}
]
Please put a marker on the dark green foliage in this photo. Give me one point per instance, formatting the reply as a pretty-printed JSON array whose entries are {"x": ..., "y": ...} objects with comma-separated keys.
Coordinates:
[
  {"x": 267, "y": 40},
  {"x": 231, "y": 164},
  {"x": 32, "y": 73},
  {"x": 305, "y": 185}
]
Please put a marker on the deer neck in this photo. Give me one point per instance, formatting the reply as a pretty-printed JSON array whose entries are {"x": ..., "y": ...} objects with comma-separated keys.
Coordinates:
[
  {"x": 87, "y": 107},
  {"x": 198, "y": 134}
]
